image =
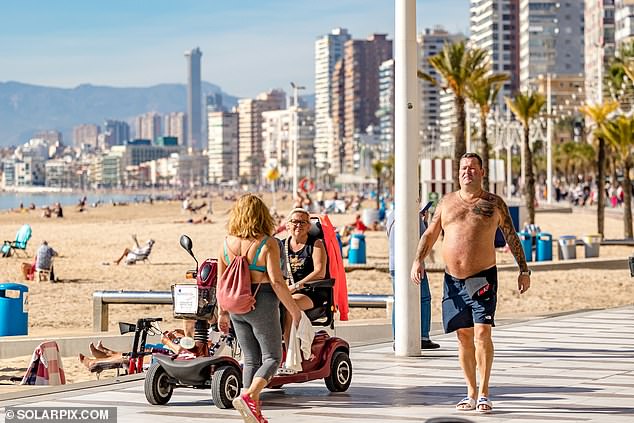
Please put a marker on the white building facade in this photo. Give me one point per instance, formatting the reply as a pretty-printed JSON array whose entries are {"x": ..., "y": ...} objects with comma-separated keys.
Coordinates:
[
  {"x": 328, "y": 50},
  {"x": 222, "y": 147},
  {"x": 434, "y": 119}
]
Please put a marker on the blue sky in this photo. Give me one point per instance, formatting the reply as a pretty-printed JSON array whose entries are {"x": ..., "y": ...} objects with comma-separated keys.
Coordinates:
[{"x": 248, "y": 45}]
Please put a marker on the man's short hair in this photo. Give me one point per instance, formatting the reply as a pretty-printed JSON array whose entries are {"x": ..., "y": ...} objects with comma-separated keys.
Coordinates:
[{"x": 472, "y": 156}]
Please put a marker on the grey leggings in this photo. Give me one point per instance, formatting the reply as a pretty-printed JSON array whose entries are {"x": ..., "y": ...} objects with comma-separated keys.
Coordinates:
[{"x": 260, "y": 336}]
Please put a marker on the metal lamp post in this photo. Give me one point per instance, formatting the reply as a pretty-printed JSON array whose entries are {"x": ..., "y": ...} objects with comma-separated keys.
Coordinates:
[{"x": 549, "y": 143}]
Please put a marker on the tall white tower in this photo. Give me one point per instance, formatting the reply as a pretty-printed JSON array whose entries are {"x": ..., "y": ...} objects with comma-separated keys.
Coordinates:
[{"x": 194, "y": 99}]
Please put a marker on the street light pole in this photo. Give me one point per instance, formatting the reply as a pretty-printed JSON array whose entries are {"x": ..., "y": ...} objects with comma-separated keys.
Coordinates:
[
  {"x": 295, "y": 120},
  {"x": 549, "y": 142}
]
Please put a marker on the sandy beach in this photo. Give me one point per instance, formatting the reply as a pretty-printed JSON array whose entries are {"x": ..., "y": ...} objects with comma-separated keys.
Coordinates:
[{"x": 89, "y": 242}]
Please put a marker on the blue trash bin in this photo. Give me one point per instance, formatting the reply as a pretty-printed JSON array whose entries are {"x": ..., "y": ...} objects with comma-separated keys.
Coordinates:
[
  {"x": 340, "y": 244},
  {"x": 14, "y": 316},
  {"x": 527, "y": 244},
  {"x": 544, "y": 247},
  {"x": 514, "y": 211},
  {"x": 356, "y": 250}
]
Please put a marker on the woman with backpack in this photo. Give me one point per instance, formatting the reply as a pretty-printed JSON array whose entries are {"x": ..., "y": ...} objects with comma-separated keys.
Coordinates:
[{"x": 250, "y": 288}]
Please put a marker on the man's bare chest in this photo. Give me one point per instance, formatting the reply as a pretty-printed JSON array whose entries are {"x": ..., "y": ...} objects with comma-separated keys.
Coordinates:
[{"x": 481, "y": 213}]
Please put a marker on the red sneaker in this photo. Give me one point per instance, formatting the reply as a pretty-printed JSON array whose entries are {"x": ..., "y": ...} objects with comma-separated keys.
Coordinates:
[{"x": 248, "y": 409}]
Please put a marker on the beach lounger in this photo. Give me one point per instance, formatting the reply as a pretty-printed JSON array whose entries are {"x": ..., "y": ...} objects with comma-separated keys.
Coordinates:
[{"x": 21, "y": 240}]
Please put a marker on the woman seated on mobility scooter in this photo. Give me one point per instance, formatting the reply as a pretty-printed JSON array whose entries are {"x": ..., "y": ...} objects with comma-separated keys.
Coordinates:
[{"x": 304, "y": 260}]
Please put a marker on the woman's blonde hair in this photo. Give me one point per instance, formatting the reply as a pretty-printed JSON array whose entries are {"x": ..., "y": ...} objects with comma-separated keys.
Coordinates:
[{"x": 250, "y": 218}]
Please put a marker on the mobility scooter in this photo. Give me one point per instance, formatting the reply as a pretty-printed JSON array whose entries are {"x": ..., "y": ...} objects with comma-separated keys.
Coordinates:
[
  {"x": 330, "y": 355},
  {"x": 197, "y": 365}
]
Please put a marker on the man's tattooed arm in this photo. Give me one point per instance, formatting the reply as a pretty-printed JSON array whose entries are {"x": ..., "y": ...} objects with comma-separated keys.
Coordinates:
[
  {"x": 427, "y": 241},
  {"x": 513, "y": 241}
]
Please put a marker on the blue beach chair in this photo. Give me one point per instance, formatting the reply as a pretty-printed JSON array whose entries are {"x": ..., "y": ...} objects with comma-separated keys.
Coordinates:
[{"x": 21, "y": 239}]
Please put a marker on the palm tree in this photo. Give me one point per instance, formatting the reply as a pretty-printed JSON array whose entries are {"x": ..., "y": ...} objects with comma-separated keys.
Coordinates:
[
  {"x": 526, "y": 107},
  {"x": 378, "y": 166},
  {"x": 484, "y": 93},
  {"x": 456, "y": 64},
  {"x": 599, "y": 115},
  {"x": 619, "y": 133}
]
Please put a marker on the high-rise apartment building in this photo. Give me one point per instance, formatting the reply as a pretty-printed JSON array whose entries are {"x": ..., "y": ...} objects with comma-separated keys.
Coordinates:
[
  {"x": 278, "y": 133},
  {"x": 176, "y": 126},
  {"x": 360, "y": 67},
  {"x": 337, "y": 119},
  {"x": 599, "y": 44},
  {"x": 494, "y": 27},
  {"x": 52, "y": 136},
  {"x": 385, "y": 113},
  {"x": 222, "y": 149},
  {"x": 85, "y": 135},
  {"x": 551, "y": 39},
  {"x": 328, "y": 50},
  {"x": 148, "y": 126},
  {"x": 194, "y": 100},
  {"x": 251, "y": 159},
  {"x": 116, "y": 132},
  {"x": 431, "y": 43},
  {"x": 623, "y": 22},
  {"x": 214, "y": 103}
]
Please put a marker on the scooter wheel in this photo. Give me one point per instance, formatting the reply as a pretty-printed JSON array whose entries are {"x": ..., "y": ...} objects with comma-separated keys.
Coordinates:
[
  {"x": 226, "y": 383},
  {"x": 340, "y": 372},
  {"x": 158, "y": 388}
]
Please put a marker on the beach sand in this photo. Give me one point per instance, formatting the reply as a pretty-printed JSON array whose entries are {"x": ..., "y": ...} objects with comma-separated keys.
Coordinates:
[{"x": 89, "y": 242}]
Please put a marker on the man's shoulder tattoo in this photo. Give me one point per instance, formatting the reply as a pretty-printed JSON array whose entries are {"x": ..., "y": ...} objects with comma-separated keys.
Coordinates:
[{"x": 486, "y": 205}]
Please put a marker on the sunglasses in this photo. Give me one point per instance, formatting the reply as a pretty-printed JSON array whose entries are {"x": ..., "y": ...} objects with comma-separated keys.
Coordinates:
[{"x": 298, "y": 222}]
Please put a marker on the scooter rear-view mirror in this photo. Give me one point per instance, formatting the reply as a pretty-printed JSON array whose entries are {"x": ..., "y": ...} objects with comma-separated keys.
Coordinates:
[{"x": 186, "y": 243}]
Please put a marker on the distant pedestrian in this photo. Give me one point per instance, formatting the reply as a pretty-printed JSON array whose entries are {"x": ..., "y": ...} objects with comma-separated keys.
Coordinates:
[{"x": 425, "y": 294}]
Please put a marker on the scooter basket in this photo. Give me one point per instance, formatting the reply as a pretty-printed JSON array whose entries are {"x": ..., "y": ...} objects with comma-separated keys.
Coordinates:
[{"x": 192, "y": 302}]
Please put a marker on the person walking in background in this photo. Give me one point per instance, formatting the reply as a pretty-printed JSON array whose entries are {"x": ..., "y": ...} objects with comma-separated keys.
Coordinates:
[
  {"x": 425, "y": 294},
  {"x": 258, "y": 331},
  {"x": 469, "y": 218}
]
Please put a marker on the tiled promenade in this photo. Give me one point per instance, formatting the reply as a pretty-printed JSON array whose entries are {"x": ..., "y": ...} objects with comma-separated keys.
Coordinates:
[{"x": 572, "y": 368}]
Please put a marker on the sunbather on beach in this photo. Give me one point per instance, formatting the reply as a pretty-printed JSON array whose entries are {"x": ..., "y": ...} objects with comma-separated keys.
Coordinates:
[
  {"x": 102, "y": 355},
  {"x": 137, "y": 253}
]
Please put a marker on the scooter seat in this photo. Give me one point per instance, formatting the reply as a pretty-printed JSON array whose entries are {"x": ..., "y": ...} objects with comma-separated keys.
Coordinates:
[{"x": 322, "y": 314}]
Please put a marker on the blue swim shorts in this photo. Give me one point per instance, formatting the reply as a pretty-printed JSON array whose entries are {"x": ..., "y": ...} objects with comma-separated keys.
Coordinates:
[{"x": 460, "y": 311}]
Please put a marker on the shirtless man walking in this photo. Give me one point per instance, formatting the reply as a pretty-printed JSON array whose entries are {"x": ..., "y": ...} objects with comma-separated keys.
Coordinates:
[{"x": 469, "y": 219}]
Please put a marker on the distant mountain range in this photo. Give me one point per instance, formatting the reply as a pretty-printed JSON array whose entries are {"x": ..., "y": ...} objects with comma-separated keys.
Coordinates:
[{"x": 26, "y": 109}]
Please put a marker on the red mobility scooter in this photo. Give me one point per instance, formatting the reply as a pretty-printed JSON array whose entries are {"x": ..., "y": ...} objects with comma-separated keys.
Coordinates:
[{"x": 330, "y": 355}]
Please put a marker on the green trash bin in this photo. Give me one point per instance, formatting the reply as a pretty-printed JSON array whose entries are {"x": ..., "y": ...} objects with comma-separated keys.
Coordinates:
[
  {"x": 14, "y": 316},
  {"x": 591, "y": 245}
]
